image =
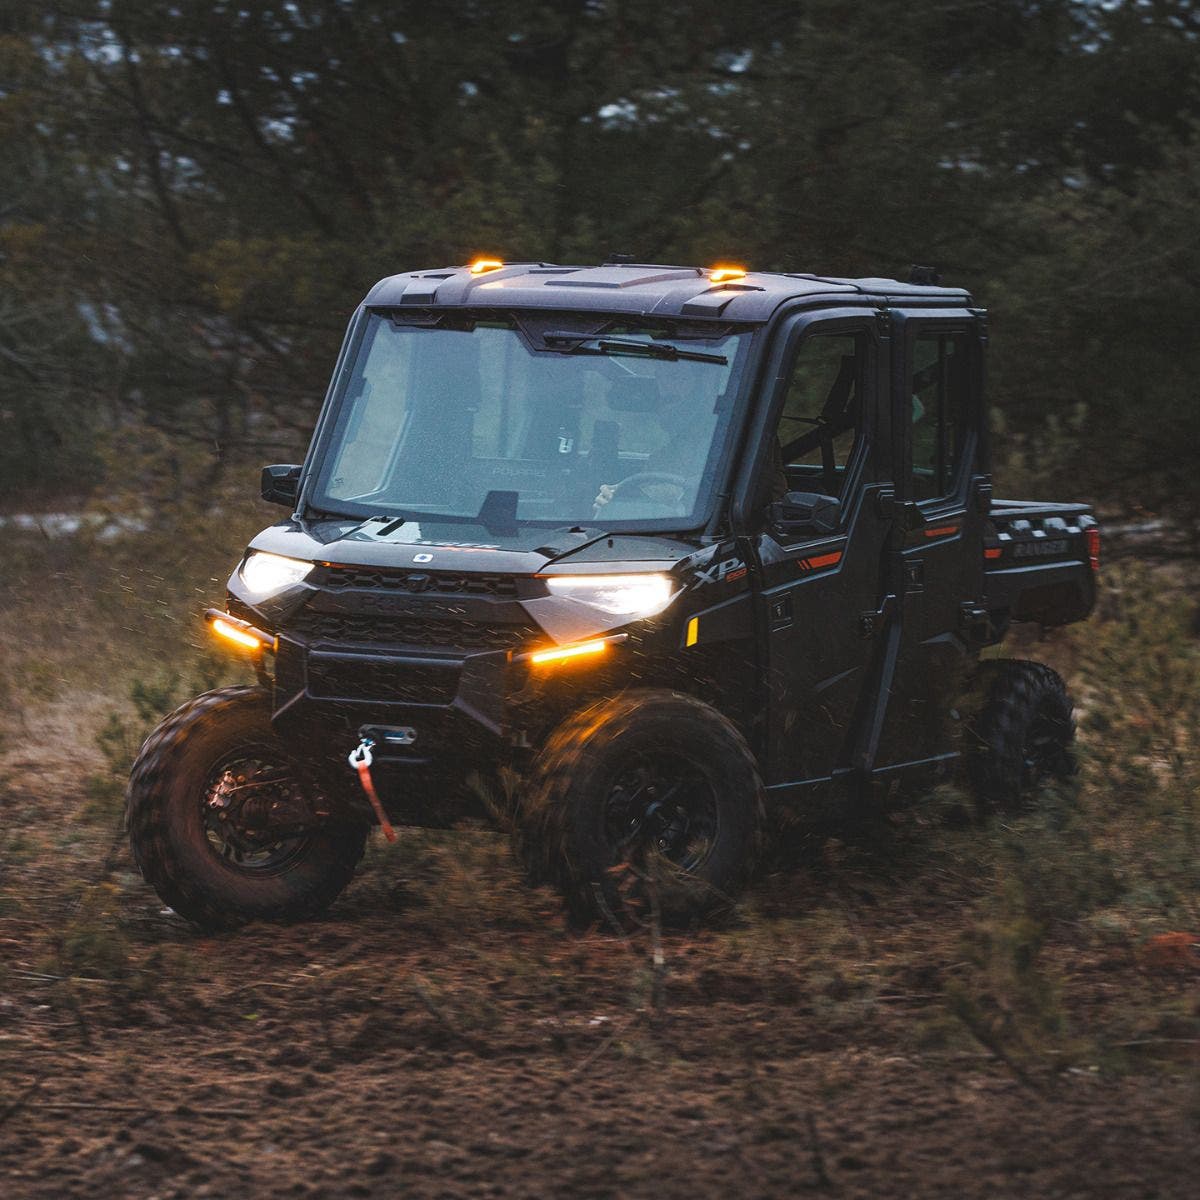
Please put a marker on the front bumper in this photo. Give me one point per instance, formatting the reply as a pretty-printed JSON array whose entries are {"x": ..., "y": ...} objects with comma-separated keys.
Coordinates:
[
  {"x": 445, "y": 661},
  {"x": 455, "y": 703}
]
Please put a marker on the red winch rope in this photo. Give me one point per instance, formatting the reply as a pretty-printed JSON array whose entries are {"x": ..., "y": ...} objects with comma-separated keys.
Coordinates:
[{"x": 361, "y": 759}]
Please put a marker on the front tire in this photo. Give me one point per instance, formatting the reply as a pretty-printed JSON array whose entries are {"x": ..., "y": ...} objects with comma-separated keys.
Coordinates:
[
  {"x": 1021, "y": 735},
  {"x": 649, "y": 802},
  {"x": 189, "y": 825}
]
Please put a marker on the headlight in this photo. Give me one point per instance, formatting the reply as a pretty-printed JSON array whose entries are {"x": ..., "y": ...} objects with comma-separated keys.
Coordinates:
[
  {"x": 620, "y": 595},
  {"x": 265, "y": 574}
]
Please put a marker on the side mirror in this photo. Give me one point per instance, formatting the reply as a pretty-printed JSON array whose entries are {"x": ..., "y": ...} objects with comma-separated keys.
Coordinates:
[
  {"x": 800, "y": 513},
  {"x": 281, "y": 484}
]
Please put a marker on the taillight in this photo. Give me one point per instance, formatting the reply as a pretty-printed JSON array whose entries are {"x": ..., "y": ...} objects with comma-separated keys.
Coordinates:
[{"x": 1091, "y": 539}]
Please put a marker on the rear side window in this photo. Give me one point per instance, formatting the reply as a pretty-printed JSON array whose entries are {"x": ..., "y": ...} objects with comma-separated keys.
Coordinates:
[
  {"x": 821, "y": 422},
  {"x": 940, "y": 388}
]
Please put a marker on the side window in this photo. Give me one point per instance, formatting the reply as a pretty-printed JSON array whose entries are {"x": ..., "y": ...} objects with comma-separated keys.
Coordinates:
[
  {"x": 940, "y": 388},
  {"x": 821, "y": 422}
]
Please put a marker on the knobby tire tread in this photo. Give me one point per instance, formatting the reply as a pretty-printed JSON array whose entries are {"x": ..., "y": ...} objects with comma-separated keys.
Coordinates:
[
  {"x": 146, "y": 822},
  {"x": 540, "y": 831},
  {"x": 1015, "y": 690}
]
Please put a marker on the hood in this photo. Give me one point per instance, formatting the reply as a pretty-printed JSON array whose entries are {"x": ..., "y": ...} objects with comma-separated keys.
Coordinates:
[{"x": 463, "y": 546}]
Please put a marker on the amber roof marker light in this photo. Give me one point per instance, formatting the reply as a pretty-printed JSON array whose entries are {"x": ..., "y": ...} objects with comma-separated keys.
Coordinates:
[
  {"x": 481, "y": 266},
  {"x": 723, "y": 274}
]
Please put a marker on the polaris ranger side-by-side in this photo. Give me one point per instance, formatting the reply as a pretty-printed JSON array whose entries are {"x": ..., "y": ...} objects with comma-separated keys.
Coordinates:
[{"x": 630, "y": 559}]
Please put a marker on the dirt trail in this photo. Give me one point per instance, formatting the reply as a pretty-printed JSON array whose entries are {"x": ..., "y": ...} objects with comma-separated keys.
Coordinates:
[
  {"x": 357, "y": 1057},
  {"x": 441, "y": 1034}
]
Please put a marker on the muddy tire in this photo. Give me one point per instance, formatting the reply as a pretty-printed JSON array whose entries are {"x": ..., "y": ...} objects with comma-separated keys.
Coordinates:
[
  {"x": 193, "y": 766},
  {"x": 1022, "y": 734},
  {"x": 647, "y": 802}
]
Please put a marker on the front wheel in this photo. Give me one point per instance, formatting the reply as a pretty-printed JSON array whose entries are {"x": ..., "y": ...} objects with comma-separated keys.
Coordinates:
[
  {"x": 647, "y": 803},
  {"x": 222, "y": 823}
]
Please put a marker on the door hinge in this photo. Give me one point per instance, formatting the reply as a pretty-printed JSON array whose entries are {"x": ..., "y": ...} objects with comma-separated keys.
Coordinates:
[
  {"x": 781, "y": 613},
  {"x": 974, "y": 621}
]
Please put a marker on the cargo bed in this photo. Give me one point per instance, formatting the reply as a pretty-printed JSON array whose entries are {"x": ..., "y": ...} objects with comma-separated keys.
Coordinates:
[{"x": 1041, "y": 560}]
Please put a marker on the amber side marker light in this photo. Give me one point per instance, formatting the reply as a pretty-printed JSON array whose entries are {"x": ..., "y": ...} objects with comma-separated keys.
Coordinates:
[
  {"x": 725, "y": 274},
  {"x": 239, "y": 633},
  {"x": 481, "y": 265}
]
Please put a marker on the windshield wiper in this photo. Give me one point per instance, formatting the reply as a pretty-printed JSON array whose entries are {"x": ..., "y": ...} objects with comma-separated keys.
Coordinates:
[{"x": 573, "y": 343}]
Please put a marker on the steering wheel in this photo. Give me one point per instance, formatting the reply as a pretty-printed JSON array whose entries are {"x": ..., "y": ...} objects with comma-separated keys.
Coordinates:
[{"x": 641, "y": 481}]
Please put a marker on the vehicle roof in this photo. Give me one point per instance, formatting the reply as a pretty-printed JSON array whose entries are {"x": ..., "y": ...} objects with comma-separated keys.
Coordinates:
[{"x": 644, "y": 289}]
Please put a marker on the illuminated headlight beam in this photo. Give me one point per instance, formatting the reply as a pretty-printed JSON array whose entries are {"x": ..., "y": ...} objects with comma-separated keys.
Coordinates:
[
  {"x": 620, "y": 595},
  {"x": 265, "y": 574}
]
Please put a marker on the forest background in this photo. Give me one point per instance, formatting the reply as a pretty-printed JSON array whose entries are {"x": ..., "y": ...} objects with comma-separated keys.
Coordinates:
[
  {"x": 193, "y": 199},
  {"x": 196, "y": 196}
]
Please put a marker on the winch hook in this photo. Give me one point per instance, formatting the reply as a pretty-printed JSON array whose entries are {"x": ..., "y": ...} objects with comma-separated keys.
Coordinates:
[{"x": 360, "y": 759}]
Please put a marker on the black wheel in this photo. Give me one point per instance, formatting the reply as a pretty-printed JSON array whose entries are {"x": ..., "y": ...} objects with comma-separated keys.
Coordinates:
[
  {"x": 648, "y": 800},
  {"x": 1021, "y": 735},
  {"x": 222, "y": 824}
]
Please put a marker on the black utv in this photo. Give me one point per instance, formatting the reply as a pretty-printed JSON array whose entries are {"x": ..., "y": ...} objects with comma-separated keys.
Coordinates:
[{"x": 631, "y": 560}]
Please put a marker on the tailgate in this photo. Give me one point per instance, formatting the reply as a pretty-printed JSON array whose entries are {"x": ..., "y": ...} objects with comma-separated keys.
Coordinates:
[{"x": 1041, "y": 561}]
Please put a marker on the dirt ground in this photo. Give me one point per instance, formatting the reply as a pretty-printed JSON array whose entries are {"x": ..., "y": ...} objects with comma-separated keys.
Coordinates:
[{"x": 440, "y": 1033}]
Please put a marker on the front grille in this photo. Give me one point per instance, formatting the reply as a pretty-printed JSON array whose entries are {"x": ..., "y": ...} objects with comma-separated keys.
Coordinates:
[
  {"x": 381, "y": 680},
  {"x": 410, "y": 631},
  {"x": 445, "y": 583}
]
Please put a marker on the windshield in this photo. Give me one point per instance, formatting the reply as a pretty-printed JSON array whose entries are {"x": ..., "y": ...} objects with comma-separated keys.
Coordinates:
[{"x": 483, "y": 418}]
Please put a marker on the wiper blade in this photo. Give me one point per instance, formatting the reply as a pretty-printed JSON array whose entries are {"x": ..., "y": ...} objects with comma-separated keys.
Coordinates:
[{"x": 574, "y": 344}]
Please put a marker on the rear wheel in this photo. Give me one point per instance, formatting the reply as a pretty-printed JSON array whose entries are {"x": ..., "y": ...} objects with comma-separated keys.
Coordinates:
[
  {"x": 647, "y": 801},
  {"x": 1021, "y": 735},
  {"x": 222, "y": 823}
]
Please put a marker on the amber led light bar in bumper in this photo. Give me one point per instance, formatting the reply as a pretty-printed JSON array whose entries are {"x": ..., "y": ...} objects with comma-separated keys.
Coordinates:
[
  {"x": 238, "y": 632},
  {"x": 573, "y": 650}
]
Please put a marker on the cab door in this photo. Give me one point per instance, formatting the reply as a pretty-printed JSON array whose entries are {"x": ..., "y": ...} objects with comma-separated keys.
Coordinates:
[
  {"x": 943, "y": 489},
  {"x": 824, "y": 431}
]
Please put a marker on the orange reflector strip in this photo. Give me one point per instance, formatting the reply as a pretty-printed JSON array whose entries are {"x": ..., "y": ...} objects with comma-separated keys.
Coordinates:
[
  {"x": 722, "y": 274},
  {"x": 993, "y": 551},
  {"x": 825, "y": 560},
  {"x": 941, "y": 531},
  {"x": 561, "y": 652},
  {"x": 480, "y": 265},
  {"x": 233, "y": 634},
  {"x": 821, "y": 560},
  {"x": 693, "y": 632}
]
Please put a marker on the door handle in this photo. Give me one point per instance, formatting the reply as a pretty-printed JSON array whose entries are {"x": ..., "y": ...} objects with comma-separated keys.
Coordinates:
[{"x": 870, "y": 623}]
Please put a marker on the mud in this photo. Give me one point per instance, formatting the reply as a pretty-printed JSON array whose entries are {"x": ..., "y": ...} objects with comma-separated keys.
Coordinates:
[{"x": 441, "y": 1033}]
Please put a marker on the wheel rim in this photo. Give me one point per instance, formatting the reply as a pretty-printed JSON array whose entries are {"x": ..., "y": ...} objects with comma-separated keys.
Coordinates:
[
  {"x": 662, "y": 806},
  {"x": 241, "y": 791}
]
